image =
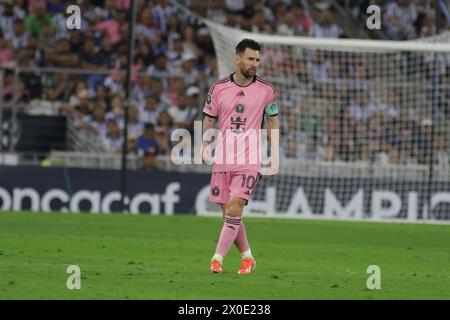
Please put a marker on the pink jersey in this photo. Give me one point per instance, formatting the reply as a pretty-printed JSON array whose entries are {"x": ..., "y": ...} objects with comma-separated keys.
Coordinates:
[{"x": 240, "y": 112}]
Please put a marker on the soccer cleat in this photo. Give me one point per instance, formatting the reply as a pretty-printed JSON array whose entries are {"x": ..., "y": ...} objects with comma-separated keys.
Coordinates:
[
  {"x": 247, "y": 265},
  {"x": 215, "y": 266}
]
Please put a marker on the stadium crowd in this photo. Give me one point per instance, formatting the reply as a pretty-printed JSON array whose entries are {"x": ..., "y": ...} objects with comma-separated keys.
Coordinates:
[
  {"x": 403, "y": 19},
  {"x": 175, "y": 64}
]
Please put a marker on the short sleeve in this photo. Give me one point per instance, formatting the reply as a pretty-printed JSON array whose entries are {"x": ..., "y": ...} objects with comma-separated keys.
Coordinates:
[
  {"x": 211, "y": 107},
  {"x": 272, "y": 96}
]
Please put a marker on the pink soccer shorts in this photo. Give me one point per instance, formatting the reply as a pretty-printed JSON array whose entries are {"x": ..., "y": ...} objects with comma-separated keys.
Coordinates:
[{"x": 232, "y": 183}]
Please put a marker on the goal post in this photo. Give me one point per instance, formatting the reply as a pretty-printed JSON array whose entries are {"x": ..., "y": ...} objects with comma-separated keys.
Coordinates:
[{"x": 365, "y": 126}]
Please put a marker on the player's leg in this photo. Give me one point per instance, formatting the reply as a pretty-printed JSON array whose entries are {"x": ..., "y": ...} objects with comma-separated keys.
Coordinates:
[
  {"x": 241, "y": 241},
  {"x": 239, "y": 188},
  {"x": 232, "y": 219},
  {"x": 219, "y": 193},
  {"x": 242, "y": 186}
]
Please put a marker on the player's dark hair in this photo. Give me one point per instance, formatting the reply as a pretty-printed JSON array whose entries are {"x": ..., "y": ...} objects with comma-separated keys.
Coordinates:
[{"x": 247, "y": 43}]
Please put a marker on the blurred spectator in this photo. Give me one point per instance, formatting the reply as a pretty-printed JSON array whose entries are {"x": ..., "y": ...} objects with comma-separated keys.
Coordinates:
[
  {"x": 174, "y": 29},
  {"x": 47, "y": 38},
  {"x": 425, "y": 24},
  {"x": 146, "y": 26},
  {"x": 106, "y": 52},
  {"x": 192, "y": 99},
  {"x": 175, "y": 53},
  {"x": 151, "y": 109},
  {"x": 116, "y": 111},
  {"x": 204, "y": 42},
  {"x": 95, "y": 122},
  {"x": 166, "y": 126},
  {"x": 113, "y": 139},
  {"x": 280, "y": 9},
  {"x": 165, "y": 120},
  {"x": 132, "y": 145},
  {"x": 188, "y": 71},
  {"x": 185, "y": 112},
  {"x": 101, "y": 97},
  {"x": 424, "y": 141},
  {"x": 115, "y": 83},
  {"x": 158, "y": 46},
  {"x": 288, "y": 26},
  {"x": 162, "y": 12},
  {"x": 142, "y": 88},
  {"x": 176, "y": 89},
  {"x": 162, "y": 140},
  {"x": 83, "y": 106},
  {"x": 325, "y": 28},
  {"x": 8, "y": 81},
  {"x": 135, "y": 126},
  {"x": 189, "y": 45},
  {"x": 7, "y": 18},
  {"x": 89, "y": 59},
  {"x": 303, "y": 22},
  {"x": 20, "y": 8},
  {"x": 234, "y": 7},
  {"x": 159, "y": 69},
  {"x": 55, "y": 7},
  {"x": 399, "y": 19},
  {"x": 150, "y": 160},
  {"x": 110, "y": 26},
  {"x": 318, "y": 66},
  {"x": 147, "y": 139},
  {"x": 259, "y": 22},
  {"x": 59, "y": 88},
  {"x": 442, "y": 156},
  {"x": 361, "y": 109},
  {"x": 61, "y": 55},
  {"x": 6, "y": 51},
  {"x": 291, "y": 149},
  {"x": 106, "y": 11},
  {"x": 18, "y": 36},
  {"x": 38, "y": 18}
]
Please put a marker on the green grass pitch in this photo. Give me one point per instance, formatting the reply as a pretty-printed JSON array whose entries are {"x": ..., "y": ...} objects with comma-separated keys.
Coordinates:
[{"x": 159, "y": 257}]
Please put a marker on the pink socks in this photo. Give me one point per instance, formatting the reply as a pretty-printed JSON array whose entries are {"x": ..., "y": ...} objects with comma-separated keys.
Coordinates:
[
  {"x": 241, "y": 239},
  {"x": 229, "y": 234}
]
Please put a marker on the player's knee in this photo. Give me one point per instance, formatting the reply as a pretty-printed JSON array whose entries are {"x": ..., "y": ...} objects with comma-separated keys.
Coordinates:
[{"x": 234, "y": 209}]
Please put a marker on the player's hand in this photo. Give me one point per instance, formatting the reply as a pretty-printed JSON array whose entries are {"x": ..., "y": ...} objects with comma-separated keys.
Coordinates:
[
  {"x": 271, "y": 168},
  {"x": 206, "y": 159}
]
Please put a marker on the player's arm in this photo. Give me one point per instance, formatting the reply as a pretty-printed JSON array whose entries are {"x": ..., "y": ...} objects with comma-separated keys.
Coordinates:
[
  {"x": 273, "y": 120},
  {"x": 273, "y": 133},
  {"x": 273, "y": 123},
  {"x": 208, "y": 123},
  {"x": 210, "y": 115}
]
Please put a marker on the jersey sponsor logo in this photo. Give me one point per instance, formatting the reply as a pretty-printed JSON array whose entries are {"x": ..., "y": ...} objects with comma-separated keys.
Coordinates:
[
  {"x": 241, "y": 93},
  {"x": 238, "y": 122},
  {"x": 240, "y": 108},
  {"x": 208, "y": 99}
]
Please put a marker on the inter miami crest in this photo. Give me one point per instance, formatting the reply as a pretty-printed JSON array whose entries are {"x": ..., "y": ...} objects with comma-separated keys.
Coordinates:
[
  {"x": 240, "y": 108},
  {"x": 215, "y": 191}
]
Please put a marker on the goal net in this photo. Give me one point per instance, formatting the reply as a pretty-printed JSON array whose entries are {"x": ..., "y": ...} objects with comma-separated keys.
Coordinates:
[{"x": 365, "y": 126}]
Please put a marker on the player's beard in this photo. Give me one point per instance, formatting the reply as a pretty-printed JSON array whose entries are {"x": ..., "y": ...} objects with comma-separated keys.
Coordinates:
[{"x": 247, "y": 73}]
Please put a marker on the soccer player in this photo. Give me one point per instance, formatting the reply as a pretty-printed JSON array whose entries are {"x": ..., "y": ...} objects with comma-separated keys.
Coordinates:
[{"x": 239, "y": 102}]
